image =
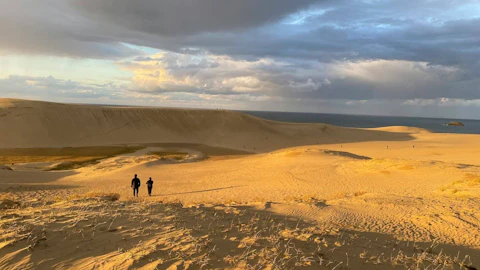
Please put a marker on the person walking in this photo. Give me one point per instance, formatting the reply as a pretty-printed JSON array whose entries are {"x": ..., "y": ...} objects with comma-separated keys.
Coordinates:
[
  {"x": 150, "y": 186},
  {"x": 135, "y": 185}
]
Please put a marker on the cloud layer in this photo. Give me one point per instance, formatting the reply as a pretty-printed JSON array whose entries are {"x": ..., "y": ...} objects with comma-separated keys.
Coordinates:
[
  {"x": 357, "y": 80},
  {"x": 284, "y": 52}
]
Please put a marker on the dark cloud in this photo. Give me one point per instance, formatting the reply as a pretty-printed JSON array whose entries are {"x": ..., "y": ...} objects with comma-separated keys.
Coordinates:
[
  {"x": 315, "y": 48},
  {"x": 186, "y": 17},
  {"x": 388, "y": 29},
  {"x": 52, "y": 27}
]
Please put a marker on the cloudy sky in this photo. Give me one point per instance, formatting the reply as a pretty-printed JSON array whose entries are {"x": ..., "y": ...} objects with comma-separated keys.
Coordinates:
[{"x": 383, "y": 57}]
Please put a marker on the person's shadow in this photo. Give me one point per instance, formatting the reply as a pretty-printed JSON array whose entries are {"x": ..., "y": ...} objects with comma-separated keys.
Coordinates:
[{"x": 196, "y": 191}]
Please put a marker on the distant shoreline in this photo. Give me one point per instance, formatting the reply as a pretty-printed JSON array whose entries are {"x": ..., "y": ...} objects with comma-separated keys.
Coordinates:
[{"x": 437, "y": 125}]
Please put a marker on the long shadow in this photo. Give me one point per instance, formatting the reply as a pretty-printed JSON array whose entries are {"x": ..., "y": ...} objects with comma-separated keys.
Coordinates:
[
  {"x": 346, "y": 154},
  {"x": 203, "y": 148},
  {"x": 198, "y": 191},
  {"x": 16, "y": 188},
  {"x": 32, "y": 177}
]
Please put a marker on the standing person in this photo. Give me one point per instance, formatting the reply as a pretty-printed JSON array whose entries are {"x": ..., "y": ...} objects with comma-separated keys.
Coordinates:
[
  {"x": 135, "y": 185},
  {"x": 150, "y": 186}
]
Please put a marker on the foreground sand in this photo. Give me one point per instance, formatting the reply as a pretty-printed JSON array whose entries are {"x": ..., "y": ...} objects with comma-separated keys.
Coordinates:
[
  {"x": 94, "y": 233},
  {"x": 312, "y": 194}
]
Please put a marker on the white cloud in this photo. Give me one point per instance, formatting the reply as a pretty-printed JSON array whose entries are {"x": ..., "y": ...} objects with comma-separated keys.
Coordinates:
[{"x": 363, "y": 80}]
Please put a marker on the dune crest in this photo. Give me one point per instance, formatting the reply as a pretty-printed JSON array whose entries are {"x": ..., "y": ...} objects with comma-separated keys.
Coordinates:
[
  {"x": 46, "y": 124},
  {"x": 404, "y": 129}
]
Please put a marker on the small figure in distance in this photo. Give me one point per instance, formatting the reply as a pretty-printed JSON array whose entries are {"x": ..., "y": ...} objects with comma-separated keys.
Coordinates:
[
  {"x": 150, "y": 186},
  {"x": 135, "y": 185}
]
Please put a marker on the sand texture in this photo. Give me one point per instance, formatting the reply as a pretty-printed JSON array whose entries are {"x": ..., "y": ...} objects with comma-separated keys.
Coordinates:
[{"x": 230, "y": 191}]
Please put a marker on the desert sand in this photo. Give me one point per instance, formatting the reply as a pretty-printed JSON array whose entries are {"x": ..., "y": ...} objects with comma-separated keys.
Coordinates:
[{"x": 230, "y": 191}]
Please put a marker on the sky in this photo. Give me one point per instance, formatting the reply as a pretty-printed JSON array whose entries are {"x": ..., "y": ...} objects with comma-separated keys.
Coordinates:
[{"x": 378, "y": 57}]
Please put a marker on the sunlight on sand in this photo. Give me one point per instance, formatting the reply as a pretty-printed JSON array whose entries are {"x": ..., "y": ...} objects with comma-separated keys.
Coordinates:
[{"x": 231, "y": 191}]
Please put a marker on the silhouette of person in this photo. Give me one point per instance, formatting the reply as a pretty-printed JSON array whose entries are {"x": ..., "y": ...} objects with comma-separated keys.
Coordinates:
[
  {"x": 135, "y": 185},
  {"x": 150, "y": 186}
]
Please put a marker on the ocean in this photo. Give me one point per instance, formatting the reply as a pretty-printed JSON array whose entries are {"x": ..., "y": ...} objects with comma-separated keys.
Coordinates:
[{"x": 369, "y": 121}]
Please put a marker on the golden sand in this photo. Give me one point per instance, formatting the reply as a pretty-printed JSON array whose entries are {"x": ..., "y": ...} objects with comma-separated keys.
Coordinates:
[{"x": 297, "y": 196}]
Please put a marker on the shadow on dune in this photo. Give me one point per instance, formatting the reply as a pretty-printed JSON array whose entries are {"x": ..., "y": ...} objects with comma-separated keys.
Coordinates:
[
  {"x": 346, "y": 154},
  {"x": 197, "y": 191},
  {"x": 12, "y": 181},
  {"x": 84, "y": 125},
  {"x": 205, "y": 149},
  {"x": 14, "y": 187}
]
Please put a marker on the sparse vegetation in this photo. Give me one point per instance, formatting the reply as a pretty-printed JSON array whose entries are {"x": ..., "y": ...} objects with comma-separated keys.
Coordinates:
[
  {"x": 359, "y": 193},
  {"x": 171, "y": 155},
  {"x": 469, "y": 179},
  {"x": 70, "y": 165},
  {"x": 466, "y": 187},
  {"x": 343, "y": 195},
  {"x": 71, "y": 157},
  {"x": 163, "y": 235},
  {"x": 7, "y": 201}
]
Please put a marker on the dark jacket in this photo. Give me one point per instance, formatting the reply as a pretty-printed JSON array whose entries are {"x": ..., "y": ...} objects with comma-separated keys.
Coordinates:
[
  {"x": 150, "y": 183},
  {"x": 135, "y": 182}
]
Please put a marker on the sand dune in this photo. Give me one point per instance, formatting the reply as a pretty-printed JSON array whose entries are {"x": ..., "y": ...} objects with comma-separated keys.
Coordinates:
[
  {"x": 313, "y": 196},
  {"x": 402, "y": 129},
  {"x": 43, "y": 124}
]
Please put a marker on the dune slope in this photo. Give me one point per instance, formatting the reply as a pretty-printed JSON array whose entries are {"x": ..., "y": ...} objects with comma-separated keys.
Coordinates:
[{"x": 44, "y": 124}]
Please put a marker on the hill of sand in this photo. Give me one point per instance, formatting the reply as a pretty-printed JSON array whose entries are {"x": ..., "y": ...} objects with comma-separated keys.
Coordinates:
[
  {"x": 29, "y": 124},
  {"x": 314, "y": 196}
]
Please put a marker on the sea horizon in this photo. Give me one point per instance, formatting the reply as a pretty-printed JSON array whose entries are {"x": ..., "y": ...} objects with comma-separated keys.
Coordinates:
[{"x": 438, "y": 125}]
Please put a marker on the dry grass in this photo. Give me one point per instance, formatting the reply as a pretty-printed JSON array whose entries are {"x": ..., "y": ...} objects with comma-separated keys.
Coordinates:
[
  {"x": 307, "y": 198},
  {"x": 32, "y": 159},
  {"x": 75, "y": 164},
  {"x": 76, "y": 155},
  {"x": 469, "y": 179},
  {"x": 343, "y": 195},
  {"x": 158, "y": 236},
  {"x": 466, "y": 187},
  {"x": 7, "y": 201},
  {"x": 170, "y": 155},
  {"x": 293, "y": 153},
  {"x": 359, "y": 193},
  {"x": 313, "y": 200}
]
